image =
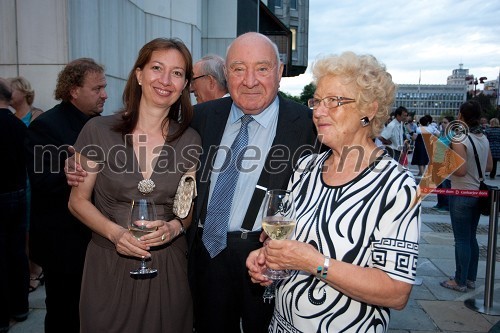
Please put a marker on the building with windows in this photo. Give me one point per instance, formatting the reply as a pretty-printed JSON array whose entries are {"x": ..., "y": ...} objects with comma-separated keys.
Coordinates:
[
  {"x": 459, "y": 77},
  {"x": 39, "y": 37},
  {"x": 433, "y": 99},
  {"x": 295, "y": 16}
]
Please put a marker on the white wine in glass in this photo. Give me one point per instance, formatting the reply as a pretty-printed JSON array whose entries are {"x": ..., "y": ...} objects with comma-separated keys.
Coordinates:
[
  {"x": 278, "y": 222},
  {"x": 142, "y": 211}
]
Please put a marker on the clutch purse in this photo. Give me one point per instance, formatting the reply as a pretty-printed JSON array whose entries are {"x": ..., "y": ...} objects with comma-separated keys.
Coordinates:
[{"x": 186, "y": 192}]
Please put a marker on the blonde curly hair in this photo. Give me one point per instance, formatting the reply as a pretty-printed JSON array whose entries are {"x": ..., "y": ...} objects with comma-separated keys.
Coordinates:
[{"x": 368, "y": 77}]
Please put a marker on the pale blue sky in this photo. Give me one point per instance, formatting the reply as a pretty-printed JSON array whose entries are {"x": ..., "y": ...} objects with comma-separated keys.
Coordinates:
[{"x": 431, "y": 36}]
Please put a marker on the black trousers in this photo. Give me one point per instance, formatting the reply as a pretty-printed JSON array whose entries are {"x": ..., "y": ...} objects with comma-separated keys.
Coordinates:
[
  {"x": 224, "y": 295},
  {"x": 63, "y": 269},
  {"x": 395, "y": 154},
  {"x": 62, "y": 299},
  {"x": 14, "y": 276}
]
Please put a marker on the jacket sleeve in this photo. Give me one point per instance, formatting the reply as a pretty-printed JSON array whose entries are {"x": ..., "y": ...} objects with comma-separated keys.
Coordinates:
[{"x": 45, "y": 157}]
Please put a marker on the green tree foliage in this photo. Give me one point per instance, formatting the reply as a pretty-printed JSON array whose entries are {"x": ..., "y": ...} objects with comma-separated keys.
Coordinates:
[
  {"x": 487, "y": 105},
  {"x": 289, "y": 96},
  {"x": 307, "y": 93}
]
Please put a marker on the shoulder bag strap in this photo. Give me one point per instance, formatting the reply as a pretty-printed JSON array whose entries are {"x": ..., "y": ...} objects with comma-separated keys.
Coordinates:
[{"x": 477, "y": 159}]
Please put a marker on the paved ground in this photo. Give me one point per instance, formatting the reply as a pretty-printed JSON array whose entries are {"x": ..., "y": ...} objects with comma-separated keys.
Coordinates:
[{"x": 431, "y": 308}]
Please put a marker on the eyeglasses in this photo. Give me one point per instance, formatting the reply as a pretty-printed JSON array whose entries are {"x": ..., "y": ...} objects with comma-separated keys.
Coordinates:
[
  {"x": 198, "y": 77},
  {"x": 329, "y": 102}
]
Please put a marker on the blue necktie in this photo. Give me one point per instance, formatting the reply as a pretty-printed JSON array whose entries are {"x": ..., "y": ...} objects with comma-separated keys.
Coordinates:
[{"x": 218, "y": 211}]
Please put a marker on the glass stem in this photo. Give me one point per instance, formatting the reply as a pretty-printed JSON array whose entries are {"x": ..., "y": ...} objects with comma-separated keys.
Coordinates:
[{"x": 269, "y": 292}]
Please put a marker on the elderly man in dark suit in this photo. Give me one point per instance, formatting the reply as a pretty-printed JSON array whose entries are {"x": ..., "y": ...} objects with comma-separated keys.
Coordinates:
[
  {"x": 57, "y": 239},
  {"x": 227, "y": 221}
]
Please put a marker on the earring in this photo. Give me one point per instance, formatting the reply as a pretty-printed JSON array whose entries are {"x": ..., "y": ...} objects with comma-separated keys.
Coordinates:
[
  {"x": 140, "y": 83},
  {"x": 365, "y": 121}
]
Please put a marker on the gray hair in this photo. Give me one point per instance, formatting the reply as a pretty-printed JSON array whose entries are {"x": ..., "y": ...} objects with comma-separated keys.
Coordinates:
[{"x": 213, "y": 65}]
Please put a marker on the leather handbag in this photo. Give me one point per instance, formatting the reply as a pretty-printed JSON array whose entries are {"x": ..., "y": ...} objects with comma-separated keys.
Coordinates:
[{"x": 186, "y": 192}]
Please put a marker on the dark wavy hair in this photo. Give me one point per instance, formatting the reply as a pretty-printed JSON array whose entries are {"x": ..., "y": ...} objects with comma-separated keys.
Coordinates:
[
  {"x": 73, "y": 75},
  {"x": 181, "y": 111},
  {"x": 471, "y": 113},
  {"x": 425, "y": 120}
]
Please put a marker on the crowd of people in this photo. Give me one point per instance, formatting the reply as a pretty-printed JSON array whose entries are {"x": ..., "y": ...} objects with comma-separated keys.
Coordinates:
[{"x": 77, "y": 173}]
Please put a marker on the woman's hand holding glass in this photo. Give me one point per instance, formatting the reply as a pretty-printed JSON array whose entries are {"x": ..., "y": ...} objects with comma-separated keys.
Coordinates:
[
  {"x": 291, "y": 255},
  {"x": 129, "y": 245},
  {"x": 278, "y": 222},
  {"x": 147, "y": 230},
  {"x": 282, "y": 255},
  {"x": 256, "y": 264}
]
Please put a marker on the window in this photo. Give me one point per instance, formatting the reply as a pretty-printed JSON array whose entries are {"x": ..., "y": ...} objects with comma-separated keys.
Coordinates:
[
  {"x": 278, "y": 3},
  {"x": 293, "y": 4},
  {"x": 294, "y": 38}
]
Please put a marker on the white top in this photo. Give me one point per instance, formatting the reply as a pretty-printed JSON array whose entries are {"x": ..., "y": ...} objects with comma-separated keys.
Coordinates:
[
  {"x": 372, "y": 221},
  {"x": 471, "y": 180},
  {"x": 394, "y": 132}
]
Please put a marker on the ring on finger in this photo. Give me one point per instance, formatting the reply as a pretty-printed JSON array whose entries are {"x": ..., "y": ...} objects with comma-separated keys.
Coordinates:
[{"x": 162, "y": 237}]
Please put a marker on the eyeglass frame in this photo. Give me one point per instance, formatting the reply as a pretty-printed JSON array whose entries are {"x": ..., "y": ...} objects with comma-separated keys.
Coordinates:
[
  {"x": 339, "y": 99},
  {"x": 198, "y": 77}
]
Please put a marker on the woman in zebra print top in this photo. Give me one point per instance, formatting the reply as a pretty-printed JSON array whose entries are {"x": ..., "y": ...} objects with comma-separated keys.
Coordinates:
[{"x": 355, "y": 247}]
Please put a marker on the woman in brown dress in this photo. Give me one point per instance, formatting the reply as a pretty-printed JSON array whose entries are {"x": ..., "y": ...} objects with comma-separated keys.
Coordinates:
[{"x": 145, "y": 141}]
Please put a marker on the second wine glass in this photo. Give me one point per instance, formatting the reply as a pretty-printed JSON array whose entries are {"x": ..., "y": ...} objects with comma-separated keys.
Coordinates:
[
  {"x": 278, "y": 222},
  {"x": 142, "y": 211}
]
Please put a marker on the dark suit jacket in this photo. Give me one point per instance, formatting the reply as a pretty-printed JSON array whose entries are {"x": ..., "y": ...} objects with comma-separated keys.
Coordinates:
[
  {"x": 52, "y": 226},
  {"x": 12, "y": 135},
  {"x": 295, "y": 136}
]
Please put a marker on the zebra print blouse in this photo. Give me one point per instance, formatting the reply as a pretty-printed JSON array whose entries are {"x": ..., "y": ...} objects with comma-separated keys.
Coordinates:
[{"x": 372, "y": 221}]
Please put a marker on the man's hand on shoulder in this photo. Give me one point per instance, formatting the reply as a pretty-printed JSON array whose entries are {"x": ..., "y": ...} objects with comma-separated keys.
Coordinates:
[{"x": 74, "y": 171}]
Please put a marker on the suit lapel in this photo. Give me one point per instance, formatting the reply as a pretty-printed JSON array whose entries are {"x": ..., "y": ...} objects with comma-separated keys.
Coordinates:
[
  {"x": 213, "y": 129},
  {"x": 287, "y": 135}
]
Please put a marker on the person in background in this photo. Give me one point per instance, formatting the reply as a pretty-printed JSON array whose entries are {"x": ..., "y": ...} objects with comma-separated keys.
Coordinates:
[
  {"x": 160, "y": 149},
  {"x": 58, "y": 241},
  {"x": 438, "y": 160},
  {"x": 464, "y": 210},
  {"x": 410, "y": 132},
  {"x": 393, "y": 134},
  {"x": 484, "y": 123},
  {"x": 22, "y": 102},
  {"x": 345, "y": 253},
  {"x": 422, "y": 142},
  {"x": 209, "y": 81},
  {"x": 493, "y": 135},
  {"x": 23, "y": 97},
  {"x": 14, "y": 278}
]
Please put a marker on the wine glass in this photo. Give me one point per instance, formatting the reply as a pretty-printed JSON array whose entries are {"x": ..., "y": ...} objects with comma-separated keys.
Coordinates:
[
  {"x": 142, "y": 211},
  {"x": 278, "y": 222}
]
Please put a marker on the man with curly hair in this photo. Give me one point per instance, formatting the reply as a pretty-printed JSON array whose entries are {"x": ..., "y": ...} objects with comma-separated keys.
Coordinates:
[{"x": 57, "y": 239}]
